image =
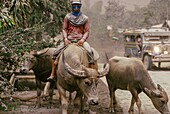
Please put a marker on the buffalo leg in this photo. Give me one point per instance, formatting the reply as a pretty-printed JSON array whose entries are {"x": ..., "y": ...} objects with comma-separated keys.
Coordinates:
[
  {"x": 112, "y": 99},
  {"x": 81, "y": 101},
  {"x": 51, "y": 91},
  {"x": 84, "y": 107},
  {"x": 77, "y": 100},
  {"x": 113, "y": 102},
  {"x": 38, "y": 84},
  {"x": 135, "y": 98},
  {"x": 131, "y": 109},
  {"x": 111, "y": 95},
  {"x": 70, "y": 97},
  {"x": 63, "y": 97}
]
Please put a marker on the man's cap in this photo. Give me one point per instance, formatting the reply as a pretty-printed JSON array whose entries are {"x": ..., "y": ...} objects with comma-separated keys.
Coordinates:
[{"x": 75, "y": 1}]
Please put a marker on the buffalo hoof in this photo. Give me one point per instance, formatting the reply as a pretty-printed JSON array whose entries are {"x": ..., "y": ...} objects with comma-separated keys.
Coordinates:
[
  {"x": 50, "y": 106},
  {"x": 131, "y": 112},
  {"x": 76, "y": 102},
  {"x": 111, "y": 110},
  {"x": 45, "y": 98},
  {"x": 37, "y": 106},
  {"x": 87, "y": 112},
  {"x": 118, "y": 109}
]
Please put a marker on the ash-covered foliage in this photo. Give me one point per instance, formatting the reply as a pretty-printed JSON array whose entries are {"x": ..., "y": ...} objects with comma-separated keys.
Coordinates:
[
  {"x": 12, "y": 45},
  {"x": 6, "y": 91},
  {"x": 26, "y": 26}
]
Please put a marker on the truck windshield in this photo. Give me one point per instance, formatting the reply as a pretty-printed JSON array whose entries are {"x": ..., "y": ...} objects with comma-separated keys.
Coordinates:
[
  {"x": 157, "y": 38},
  {"x": 130, "y": 38}
]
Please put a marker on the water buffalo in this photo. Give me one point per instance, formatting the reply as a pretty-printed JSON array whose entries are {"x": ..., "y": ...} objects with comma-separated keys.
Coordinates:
[
  {"x": 130, "y": 74},
  {"x": 40, "y": 63},
  {"x": 74, "y": 74}
]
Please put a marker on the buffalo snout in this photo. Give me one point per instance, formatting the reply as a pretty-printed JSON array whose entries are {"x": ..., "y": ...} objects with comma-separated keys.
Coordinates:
[
  {"x": 166, "y": 110},
  {"x": 23, "y": 71},
  {"x": 93, "y": 101},
  {"x": 166, "y": 113}
]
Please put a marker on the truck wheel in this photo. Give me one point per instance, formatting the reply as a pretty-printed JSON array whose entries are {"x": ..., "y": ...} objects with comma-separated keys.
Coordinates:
[
  {"x": 147, "y": 62},
  {"x": 159, "y": 64}
]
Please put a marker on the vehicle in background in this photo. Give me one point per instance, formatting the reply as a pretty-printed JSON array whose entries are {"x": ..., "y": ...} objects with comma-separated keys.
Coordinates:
[{"x": 150, "y": 45}]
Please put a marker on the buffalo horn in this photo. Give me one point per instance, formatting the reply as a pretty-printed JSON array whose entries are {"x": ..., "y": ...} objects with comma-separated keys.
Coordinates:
[
  {"x": 39, "y": 53},
  {"x": 104, "y": 71},
  {"x": 72, "y": 71}
]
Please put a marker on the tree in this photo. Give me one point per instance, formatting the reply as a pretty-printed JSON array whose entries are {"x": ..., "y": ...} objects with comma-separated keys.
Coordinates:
[
  {"x": 27, "y": 13},
  {"x": 115, "y": 13},
  {"x": 158, "y": 11},
  {"x": 26, "y": 25}
]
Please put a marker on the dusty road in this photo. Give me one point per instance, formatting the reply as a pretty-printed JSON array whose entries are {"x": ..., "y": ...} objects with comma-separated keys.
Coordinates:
[{"x": 124, "y": 97}]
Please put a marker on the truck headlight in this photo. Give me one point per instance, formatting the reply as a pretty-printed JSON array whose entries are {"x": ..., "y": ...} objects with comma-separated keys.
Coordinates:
[
  {"x": 165, "y": 52},
  {"x": 157, "y": 49}
]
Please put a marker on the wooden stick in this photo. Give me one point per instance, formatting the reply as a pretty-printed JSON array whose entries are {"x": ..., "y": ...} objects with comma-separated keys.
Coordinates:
[
  {"x": 12, "y": 79},
  {"x": 25, "y": 77},
  {"x": 29, "y": 98}
]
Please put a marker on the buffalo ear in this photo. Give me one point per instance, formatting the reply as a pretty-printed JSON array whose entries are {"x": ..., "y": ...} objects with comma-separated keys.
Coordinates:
[
  {"x": 34, "y": 53},
  {"x": 151, "y": 93},
  {"x": 24, "y": 53},
  {"x": 148, "y": 92},
  {"x": 160, "y": 88}
]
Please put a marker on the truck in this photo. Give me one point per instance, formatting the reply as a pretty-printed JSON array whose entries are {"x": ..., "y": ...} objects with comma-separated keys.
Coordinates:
[{"x": 151, "y": 45}]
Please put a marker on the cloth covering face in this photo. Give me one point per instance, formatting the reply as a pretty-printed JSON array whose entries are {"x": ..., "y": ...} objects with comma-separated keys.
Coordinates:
[{"x": 77, "y": 20}]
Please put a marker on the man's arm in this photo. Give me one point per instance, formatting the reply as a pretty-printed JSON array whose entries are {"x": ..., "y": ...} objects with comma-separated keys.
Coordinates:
[
  {"x": 64, "y": 32},
  {"x": 86, "y": 33}
]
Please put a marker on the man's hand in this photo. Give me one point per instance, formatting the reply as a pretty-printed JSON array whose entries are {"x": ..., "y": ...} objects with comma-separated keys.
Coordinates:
[
  {"x": 80, "y": 42},
  {"x": 66, "y": 41}
]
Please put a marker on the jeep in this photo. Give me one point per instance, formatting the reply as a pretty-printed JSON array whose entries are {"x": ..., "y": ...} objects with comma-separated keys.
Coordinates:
[{"x": 151, "y": 45}]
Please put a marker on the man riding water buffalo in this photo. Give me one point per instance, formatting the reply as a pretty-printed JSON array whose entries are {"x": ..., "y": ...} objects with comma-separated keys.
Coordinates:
[{"x": 76, "y": 28}]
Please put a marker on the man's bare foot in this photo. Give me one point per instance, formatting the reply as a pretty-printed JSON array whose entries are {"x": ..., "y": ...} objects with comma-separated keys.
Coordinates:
[{"x": 50, "y": 79}]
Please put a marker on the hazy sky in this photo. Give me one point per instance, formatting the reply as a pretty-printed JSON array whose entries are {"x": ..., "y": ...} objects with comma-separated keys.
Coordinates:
[{"x": 129, "y": 4}]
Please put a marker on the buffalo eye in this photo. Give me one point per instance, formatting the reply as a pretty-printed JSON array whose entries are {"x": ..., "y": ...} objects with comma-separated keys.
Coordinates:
[
  {"x": 31, "y": 59},
  {"x": 87, "y": 82},
  {"x": 162, "y": 101},
  {"x": 27, "y": 58}
]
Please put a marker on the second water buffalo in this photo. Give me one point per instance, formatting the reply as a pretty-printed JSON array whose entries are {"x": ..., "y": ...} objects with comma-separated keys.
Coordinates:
[{"x": 130, "y": 74}]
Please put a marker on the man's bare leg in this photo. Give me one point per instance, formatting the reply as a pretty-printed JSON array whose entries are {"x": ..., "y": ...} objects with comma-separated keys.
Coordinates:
[{"x": 51, "y": 78}]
